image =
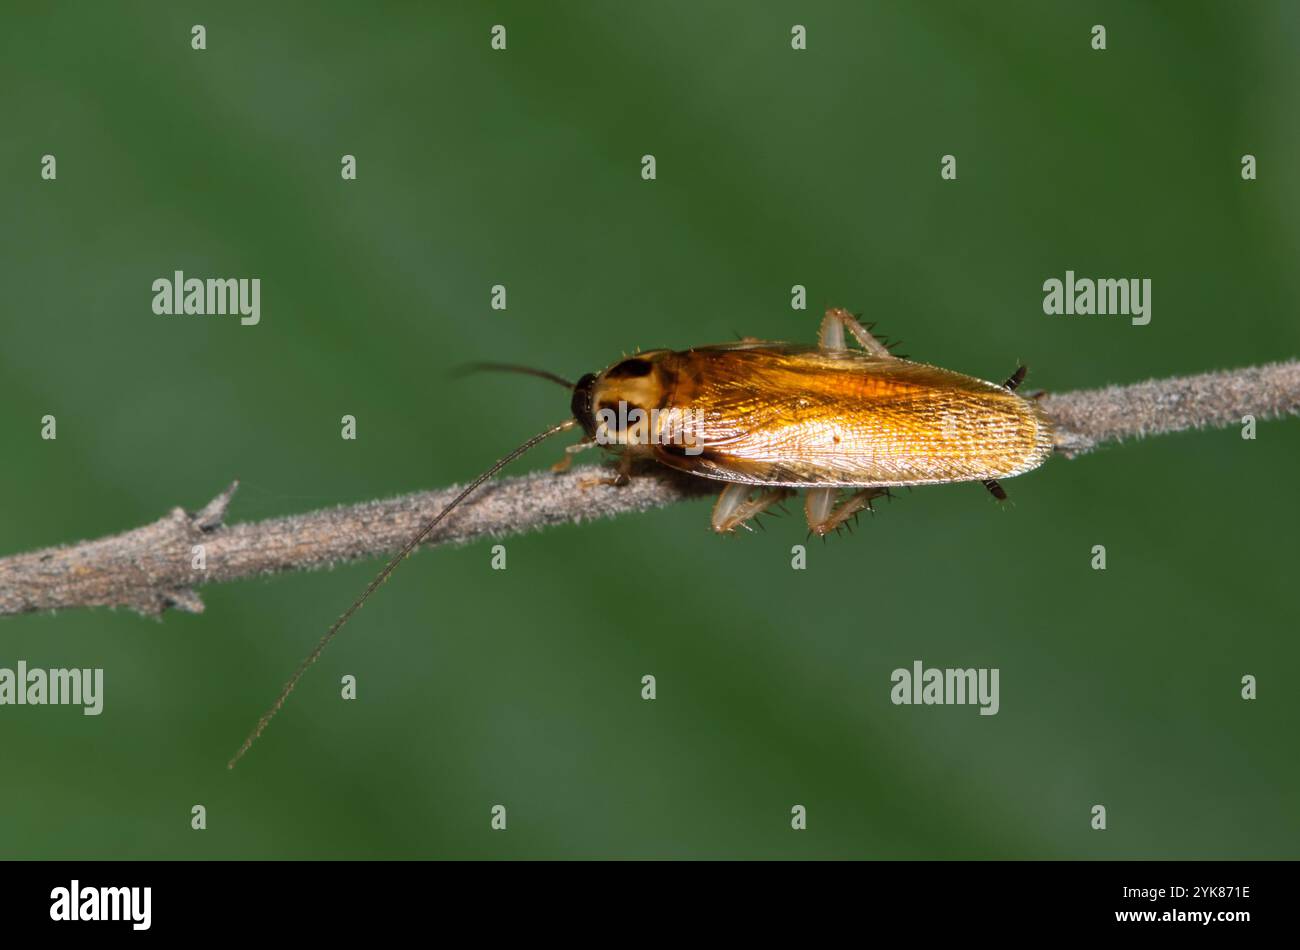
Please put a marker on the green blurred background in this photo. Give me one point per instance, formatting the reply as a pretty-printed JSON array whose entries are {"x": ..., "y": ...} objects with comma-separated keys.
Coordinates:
[{"x": 775, "y": 167}]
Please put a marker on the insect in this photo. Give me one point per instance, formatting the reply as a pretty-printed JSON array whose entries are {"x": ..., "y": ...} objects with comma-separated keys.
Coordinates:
[{"x": 767, "y": 419}]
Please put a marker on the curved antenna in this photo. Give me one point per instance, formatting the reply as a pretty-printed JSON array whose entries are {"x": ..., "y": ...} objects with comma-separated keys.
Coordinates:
[
  {"x": 468, "y": 368},
  {"x": 382, "y": 576}
]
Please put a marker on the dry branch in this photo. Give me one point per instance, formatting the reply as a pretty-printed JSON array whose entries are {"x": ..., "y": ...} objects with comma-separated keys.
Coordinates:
[{"x": 150, "y": 568}]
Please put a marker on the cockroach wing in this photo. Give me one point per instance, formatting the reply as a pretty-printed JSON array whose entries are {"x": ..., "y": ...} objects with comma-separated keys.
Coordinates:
[{"x": 775, "y": 414}]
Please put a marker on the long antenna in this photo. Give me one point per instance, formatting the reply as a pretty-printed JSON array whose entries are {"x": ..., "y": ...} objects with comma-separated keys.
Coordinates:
[
  {"x": 512, "y": 368},
  {"x": 382, "y": 576}
]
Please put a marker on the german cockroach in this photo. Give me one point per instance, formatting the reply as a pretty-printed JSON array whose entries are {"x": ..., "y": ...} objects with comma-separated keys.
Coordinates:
[{"x": 767, "y": 419}]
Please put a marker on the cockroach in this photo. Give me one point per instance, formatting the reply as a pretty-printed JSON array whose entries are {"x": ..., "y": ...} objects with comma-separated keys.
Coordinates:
[{"x": 767, "y": 419}]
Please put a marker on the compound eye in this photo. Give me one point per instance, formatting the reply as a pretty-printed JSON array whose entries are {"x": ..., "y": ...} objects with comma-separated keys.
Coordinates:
[{"x": 580, "y": 405}]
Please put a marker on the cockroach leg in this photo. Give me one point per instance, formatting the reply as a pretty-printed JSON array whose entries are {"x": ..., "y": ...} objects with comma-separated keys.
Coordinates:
[
  {"x": 818, "y": 504},
  {"x": 825, "y": 516},
  {"x": 618, "y": 480},
  {"x": 831, "y": 336},
  {"x": 615, "y": 481},
  {"x": 734, "y": 508},
  {"x": 1016, "y": 378},
  {"x": 996, "y": 490},
  {"x": 569, "y": 452}
]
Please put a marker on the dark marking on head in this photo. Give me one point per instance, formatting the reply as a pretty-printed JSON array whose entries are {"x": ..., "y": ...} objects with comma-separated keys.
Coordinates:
[{"x": 630, "y": 369}]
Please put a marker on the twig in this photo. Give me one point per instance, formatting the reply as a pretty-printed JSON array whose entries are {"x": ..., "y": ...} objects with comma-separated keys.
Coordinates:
[
  {"x": 1088, "y": 418},
  {"x": 151, "y": 568}
]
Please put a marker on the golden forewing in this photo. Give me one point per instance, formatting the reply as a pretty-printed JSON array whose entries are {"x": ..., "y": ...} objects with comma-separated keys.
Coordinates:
[{"x": 776, "y": 414}]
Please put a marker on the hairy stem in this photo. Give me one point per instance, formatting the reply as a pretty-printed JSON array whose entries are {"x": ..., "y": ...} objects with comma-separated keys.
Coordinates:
[{"x": 150, "y": 568}]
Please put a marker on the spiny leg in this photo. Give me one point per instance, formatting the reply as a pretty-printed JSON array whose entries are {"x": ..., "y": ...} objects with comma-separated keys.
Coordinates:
[
  {"x": 824, "y": 516},
  {"x": 623, "y": 476},
  {"x": 831, "y": 335},
  {"x": 569, "y": 452},
  {"x": 734, "y": 508}
]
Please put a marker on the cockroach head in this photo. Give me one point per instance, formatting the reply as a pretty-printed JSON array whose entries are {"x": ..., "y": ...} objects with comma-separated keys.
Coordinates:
[{"x": 634, "y": 382}]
